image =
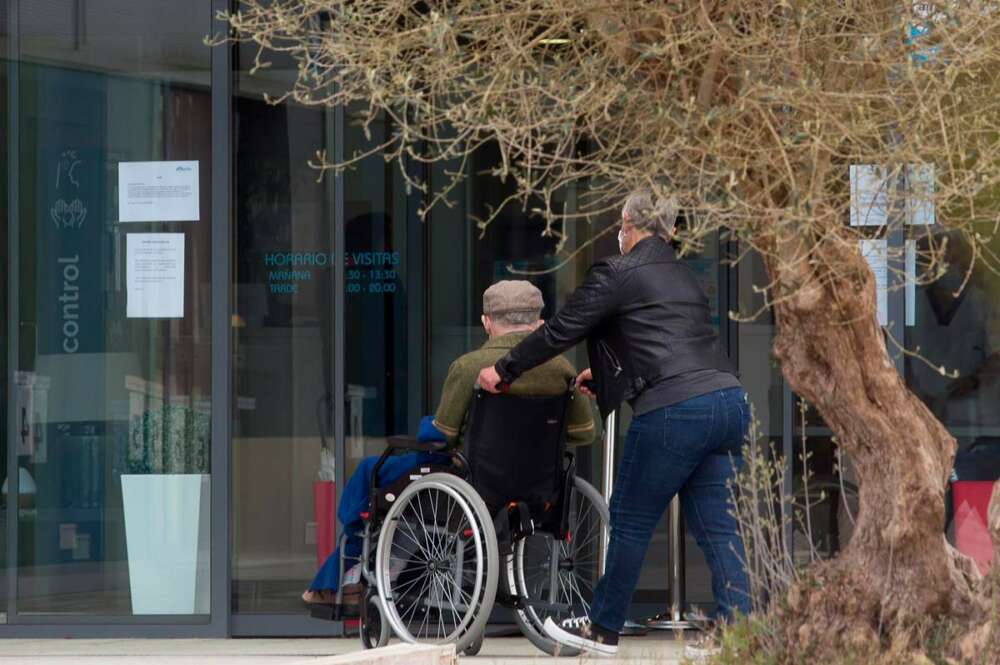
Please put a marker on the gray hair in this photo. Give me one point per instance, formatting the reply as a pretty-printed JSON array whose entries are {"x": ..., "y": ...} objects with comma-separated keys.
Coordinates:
[
  {"x": 647, "y": 213},
  {"x": 511, "y": 319}
]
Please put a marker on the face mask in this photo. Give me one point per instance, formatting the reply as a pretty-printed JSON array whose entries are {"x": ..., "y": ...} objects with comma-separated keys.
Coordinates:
[{"x": 621, "y": 241}]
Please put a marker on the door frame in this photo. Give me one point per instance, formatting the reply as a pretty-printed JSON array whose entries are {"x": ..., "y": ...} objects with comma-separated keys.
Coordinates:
[{"x": 98, "y": 626}]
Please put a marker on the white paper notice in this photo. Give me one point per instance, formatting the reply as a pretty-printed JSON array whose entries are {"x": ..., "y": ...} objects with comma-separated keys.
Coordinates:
[
  {"x": 869, "y": 197},
  {"x": 154, "y": 272},
  {"x": 158, "y": 191},
  {"x": 910, "y": 269},
  {"x": 876, "y": 254}
]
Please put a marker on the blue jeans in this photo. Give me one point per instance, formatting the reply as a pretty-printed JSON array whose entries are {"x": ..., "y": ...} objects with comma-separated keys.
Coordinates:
[{"x": 694, "y": 448}]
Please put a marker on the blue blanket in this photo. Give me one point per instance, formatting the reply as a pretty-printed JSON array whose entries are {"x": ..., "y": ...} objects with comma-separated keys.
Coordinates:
[{"x": 354, "y": 501}]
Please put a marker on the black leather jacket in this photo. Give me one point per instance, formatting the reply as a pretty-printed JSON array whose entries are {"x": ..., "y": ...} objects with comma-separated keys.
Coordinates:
[{"x": 645, "y": 318}]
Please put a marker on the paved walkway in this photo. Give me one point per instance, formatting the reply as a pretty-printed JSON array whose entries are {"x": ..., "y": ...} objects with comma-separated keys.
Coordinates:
[{"x": 652, "y": 650}]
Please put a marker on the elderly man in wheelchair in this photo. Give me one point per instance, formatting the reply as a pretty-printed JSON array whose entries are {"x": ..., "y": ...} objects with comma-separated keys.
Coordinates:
[{"x": 450, "y": 531}]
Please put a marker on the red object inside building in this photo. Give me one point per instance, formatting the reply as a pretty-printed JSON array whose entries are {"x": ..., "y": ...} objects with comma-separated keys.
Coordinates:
[
  {"x": 325, "y": 514},
  {"x": 970, "y": 500}
]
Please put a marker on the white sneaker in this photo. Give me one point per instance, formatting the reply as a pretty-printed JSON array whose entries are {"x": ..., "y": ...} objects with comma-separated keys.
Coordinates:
[{"x": 579, "y": 633}]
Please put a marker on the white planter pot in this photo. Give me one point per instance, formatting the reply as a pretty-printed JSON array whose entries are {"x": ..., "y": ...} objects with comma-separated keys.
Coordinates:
[{"x": 167, "y": 535}]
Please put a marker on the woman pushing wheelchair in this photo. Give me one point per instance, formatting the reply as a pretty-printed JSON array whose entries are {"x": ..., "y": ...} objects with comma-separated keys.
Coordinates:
[{"x": 647, "y": 324}]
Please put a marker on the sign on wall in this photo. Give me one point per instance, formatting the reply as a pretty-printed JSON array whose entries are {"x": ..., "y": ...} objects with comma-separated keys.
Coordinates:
[
  {"x": 154, "y": 272},
  {"x": 69, "y": 205},
  {"x": 158, "y": 191}
]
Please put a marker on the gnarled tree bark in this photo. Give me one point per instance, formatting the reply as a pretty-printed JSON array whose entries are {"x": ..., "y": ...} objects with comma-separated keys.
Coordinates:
[{"x": 898, "y": 573}]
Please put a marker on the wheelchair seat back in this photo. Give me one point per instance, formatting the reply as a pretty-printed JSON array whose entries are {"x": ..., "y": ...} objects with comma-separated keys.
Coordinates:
[{"x": 514, "y": 445}]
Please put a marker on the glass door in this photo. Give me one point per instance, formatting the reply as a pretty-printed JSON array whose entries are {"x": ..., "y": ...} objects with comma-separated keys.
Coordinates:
[
  {"x": 110, "y": 461},
  {"x": 284, "y": 464}
]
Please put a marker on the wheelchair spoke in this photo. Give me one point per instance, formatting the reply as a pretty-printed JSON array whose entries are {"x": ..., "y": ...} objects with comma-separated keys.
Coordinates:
[
  {"x": 445, "y": 538},
  {"x": 402, "y": 589},
  {"x": 451, "y": 512},
  {"x": 456, "y": 614},
  {"x": 442, "y": 532},
  {"x": 412, "y": 535},
  {"x": 429, "y": 538},
  {"x": 466, "y": 598},
  {"x": 422, "y": 521},
  {"x": 454, "y": 610},
  {"x": 537, "y": 581},
  {"x": 406, "y": 591},
  {"x": 453, "y": 538},
  {"x": 427, "y": 615},
  {"x": 574, "y": 585},
  {"x": 436, "y": 594},
  {"x": 591, "y": 521},
  {"x": 434, "y": 528},
  {"x": 409, "y": 534},
  {"x": 429, "y": 535},
  {"x": 414, "y": 606},
  {"x": 583, "y": 543}
]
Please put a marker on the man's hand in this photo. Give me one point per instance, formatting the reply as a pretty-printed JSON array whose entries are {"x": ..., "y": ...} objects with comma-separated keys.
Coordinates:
[
  {"x": 585, "y": 375},
  {"x": 489, "y": 380}
]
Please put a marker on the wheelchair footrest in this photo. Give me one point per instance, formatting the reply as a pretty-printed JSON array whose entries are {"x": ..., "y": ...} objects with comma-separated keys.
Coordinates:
[{"x": 330, "y": 612}]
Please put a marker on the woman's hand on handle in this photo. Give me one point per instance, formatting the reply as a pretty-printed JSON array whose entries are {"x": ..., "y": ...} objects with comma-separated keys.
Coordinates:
[
  {"x": 585, "y": 382},
  {"x": 489, "y": 380}
]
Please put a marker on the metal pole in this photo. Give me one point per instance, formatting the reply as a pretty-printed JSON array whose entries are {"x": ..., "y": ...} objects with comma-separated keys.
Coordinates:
[
  {"x": 607, "y": 478},
  {"x": 607, "y": 487},
  {"x": 677, "y": 590},
  {"x": 674, "y": 619}
]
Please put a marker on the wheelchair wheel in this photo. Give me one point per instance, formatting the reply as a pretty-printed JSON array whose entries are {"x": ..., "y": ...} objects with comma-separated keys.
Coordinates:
[
  {"x": 373, "y": 628},
  {"x": 436, "y": 564},
  {"x": 561, "y": 573},
  {"x": 474, "y": 648}
]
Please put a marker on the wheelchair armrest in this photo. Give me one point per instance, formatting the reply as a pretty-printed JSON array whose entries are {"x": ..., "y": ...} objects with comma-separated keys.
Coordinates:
[{"x": 402, "y": 442}]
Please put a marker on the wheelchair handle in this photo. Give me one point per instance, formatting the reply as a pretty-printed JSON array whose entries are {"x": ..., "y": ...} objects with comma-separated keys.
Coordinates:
[
  {"x": 373, "y": 486},
  {"x": 503, "y": 387}
]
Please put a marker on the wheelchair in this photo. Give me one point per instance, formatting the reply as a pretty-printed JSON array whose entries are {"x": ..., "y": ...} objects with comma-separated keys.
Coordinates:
[{"x": 508, "y": 523}]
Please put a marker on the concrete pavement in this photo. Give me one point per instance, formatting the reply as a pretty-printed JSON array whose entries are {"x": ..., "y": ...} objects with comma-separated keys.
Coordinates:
[{"x": 651, "y": 650}]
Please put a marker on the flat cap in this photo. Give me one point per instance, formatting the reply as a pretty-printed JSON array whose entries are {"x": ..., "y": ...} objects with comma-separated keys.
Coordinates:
[{"x": 512, "y": 295}]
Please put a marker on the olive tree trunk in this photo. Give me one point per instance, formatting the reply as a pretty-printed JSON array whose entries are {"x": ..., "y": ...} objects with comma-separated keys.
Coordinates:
[{"x": 898, "y": 574}]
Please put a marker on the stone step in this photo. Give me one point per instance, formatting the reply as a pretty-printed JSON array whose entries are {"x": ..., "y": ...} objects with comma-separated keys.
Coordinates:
[{"x": 395, "y": 654}]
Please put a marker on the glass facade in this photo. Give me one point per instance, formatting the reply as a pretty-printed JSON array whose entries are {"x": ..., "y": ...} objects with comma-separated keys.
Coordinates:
[
  {"x": 343, "y": 308},
  {"x": 111, "y": 402}
]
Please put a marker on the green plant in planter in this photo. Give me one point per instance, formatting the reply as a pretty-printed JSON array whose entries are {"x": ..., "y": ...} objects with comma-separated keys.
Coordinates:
[{"x": 171, "y": 439}]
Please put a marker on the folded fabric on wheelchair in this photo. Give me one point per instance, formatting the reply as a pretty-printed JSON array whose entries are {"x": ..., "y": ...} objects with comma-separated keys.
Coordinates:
[{"x": 354, "y": 501}]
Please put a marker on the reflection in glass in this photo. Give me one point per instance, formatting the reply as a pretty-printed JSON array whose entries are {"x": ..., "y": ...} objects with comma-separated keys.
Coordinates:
[
  {"x": 954, "y": 332},
  {"x": 283, "y": 445},
  {"x": 114, "y": 410},
  {"x": 384, "y": 300}
]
